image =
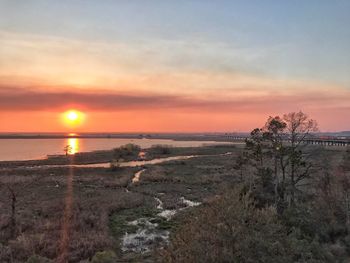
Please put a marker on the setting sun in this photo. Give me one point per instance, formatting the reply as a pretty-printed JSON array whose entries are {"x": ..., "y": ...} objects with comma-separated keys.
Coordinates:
[
  {"x": 174, "y": 131},
  {"x": 73, "y": 118}
]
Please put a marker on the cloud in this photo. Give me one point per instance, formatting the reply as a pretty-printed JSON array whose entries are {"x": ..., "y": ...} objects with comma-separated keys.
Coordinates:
[
  {"x": 18, "y": 99},
  {"x": 72, "y": 61}
]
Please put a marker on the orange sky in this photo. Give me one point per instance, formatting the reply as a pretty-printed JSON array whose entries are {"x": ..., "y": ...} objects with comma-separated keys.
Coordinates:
[
  {"x": 196, "y": 101},
  {"x": 174, "y": 115}
]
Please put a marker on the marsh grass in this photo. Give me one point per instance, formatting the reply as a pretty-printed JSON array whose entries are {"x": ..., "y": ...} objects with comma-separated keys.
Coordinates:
[{"x": 102, "y": 206}]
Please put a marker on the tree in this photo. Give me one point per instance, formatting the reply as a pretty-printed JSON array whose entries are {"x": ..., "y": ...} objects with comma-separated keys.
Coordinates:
[
  {"x": 278, "y": 148},
  {"x": 298, "y": 127},
  {"x": 13, "y": 201},
  {"x": 254, "y": 144},
  {"x": 241, "y": 162},
  {"x": 258, "y": 154},
  {"x": 68, "y": 149},
  {"x": 14, "y": 190},
  {"x": 274, "y": 129}
]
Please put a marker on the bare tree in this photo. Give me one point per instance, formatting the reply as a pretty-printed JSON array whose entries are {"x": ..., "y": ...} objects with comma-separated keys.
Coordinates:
[
  {"x": 14, "y": 190},
  {"x": 298, "y": 127},
  {"x": 277, "y": 148}
]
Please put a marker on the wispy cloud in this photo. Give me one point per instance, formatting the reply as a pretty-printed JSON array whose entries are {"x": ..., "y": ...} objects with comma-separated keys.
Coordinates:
[
  {"x": 17, "y": 99},
  {"x": 61, "y": 60}
]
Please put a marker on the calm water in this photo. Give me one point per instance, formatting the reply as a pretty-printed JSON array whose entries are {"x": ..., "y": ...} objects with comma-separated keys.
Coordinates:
[{"x": 29, "y": 149}]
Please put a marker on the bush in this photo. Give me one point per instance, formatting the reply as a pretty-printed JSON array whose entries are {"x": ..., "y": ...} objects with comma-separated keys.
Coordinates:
[
  {"x": 107, "y": 256},
  {"x": 232, "y": 228},
  {"x": 38, "y": 259},
  {"x": 114, "y": 165},
  {"x": 126, "y": 152},
  {"x": 161, "y": 149}
]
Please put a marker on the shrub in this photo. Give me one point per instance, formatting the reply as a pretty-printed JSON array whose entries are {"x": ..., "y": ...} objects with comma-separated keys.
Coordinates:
[
  {"x": 232, "y": 228},
  {"x": 124, "y": 153},
  {"x": 107, "y": 256},
  {"x": 127, "y": 149},
  {"x": 38, "y": 259},
  {"x": 161, "y": 149}
]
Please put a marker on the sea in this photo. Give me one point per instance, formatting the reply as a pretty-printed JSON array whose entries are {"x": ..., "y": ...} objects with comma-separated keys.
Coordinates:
[{"x": 32, "y": 149}]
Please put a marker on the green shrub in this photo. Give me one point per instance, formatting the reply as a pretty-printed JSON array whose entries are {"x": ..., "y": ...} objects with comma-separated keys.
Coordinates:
[{"x": 107, "y": 256}]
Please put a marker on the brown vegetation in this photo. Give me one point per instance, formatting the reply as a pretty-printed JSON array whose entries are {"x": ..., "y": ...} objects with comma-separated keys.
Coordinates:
[
  {"x": 292, "y": 204},
  {"x": 239, "y": 221}
]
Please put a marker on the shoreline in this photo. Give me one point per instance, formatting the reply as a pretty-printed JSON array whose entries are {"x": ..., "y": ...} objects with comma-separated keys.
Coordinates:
[
  {"x": 104, "y": 156},
  {"x": 120, "y": 205},
  {"x": 170, "y": 136}
]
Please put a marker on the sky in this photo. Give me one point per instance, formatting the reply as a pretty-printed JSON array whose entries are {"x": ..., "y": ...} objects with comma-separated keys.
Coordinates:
[{"x": 172, "y": 66}]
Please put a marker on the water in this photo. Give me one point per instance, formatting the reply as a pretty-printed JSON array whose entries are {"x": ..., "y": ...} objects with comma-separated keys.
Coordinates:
[
  {"x": 137, "y": 175},
  {"x": 149, "y": 234},
  {"x": 30, "y": 149},
  {"x": 133, "y": 163}
]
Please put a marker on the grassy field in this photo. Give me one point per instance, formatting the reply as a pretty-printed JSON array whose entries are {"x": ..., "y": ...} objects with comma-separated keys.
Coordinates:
[{"x": 111, "y": 217}]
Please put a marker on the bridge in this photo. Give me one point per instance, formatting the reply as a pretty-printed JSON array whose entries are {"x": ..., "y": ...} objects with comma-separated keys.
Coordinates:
[
  {"x": 328, "y": 142},
  {"x": 310, "y": 140}
]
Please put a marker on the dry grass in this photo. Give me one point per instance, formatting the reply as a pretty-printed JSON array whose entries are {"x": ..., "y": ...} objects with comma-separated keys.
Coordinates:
[
  {"x": 40, "y": 209},
  {"x": 98, "y": 193}
]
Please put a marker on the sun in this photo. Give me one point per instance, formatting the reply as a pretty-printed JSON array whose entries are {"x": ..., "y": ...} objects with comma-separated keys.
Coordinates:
[
  {"x": 72, "y": 115},
  {"x": 73, "y": 118}
]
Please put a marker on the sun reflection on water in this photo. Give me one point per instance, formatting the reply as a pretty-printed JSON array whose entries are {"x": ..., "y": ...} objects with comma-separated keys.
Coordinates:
[{"x": 73, "y": 145}]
